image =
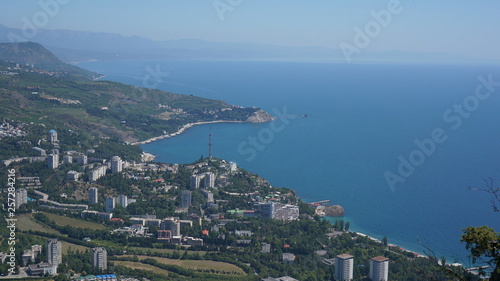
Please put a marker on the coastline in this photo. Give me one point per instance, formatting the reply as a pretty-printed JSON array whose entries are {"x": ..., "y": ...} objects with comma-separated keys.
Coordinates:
[
  {"x": 182, "y": 129},
  {"x": 416, "y": 254}
]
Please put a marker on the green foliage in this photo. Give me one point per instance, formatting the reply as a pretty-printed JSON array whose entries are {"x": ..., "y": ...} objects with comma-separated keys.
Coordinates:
[
  {"x": 483, "y": 242},
  {"x": 104, "y": 108}
]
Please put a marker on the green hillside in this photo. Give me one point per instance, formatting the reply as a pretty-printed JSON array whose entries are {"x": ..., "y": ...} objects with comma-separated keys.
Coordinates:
[
  {"x": 60, "y": 96},
  {"x": 35, "y": 55}
]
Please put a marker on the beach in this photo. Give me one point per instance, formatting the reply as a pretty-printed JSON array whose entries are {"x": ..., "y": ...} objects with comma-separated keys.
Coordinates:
[{"x": 182, "y": 129}]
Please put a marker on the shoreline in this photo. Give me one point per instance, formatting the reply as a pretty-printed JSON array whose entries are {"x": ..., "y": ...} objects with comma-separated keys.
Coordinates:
[
  {"x": 181, "y": 130},
  {"x": 390, "y": 245}
]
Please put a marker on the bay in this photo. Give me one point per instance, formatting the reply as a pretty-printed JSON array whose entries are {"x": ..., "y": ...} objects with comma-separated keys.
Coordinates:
[{"x": 361, "y": 118}]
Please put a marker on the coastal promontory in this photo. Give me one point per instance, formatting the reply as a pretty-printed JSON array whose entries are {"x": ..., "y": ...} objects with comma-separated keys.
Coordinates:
[{"x": 260, "y": 116}]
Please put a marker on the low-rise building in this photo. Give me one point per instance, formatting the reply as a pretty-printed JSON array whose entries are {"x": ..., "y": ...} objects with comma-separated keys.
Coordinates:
[{"x": 288, "y": 258}]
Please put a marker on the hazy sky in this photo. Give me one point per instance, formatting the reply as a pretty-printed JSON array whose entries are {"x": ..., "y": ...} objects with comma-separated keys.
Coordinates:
[{"x": 469, "y": 28}]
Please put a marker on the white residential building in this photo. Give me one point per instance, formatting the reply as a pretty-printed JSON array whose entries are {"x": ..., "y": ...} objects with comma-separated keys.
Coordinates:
[
  {"x": 53, "y": 137},
  {"x": 379, "y": 269},
  {"x": 54, "y": 253},
  {"x": 344, "y": 267},
  {"x": 100, "y": 258},
  {"x": 21, "y": 197},
  {"x": 93, "y": 195},
  {"x": 97, "y": 173},
  {"x": 116, "y": 164},
  {"x": 110, "y": 204},
  {"x": 186, "y": 198},
  {"x": 53, "y": 161},
  {"x": 67, "y": 159},
  {"x": 209, "y": 180},
  {"x": 122, "y": 200},
  {"x": 194, "y": 181},
  {"x": 171, "y": 224}
]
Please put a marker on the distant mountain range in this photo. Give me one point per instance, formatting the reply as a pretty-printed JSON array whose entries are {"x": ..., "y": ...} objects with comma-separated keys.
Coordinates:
[{"x": 75, "y": 46}]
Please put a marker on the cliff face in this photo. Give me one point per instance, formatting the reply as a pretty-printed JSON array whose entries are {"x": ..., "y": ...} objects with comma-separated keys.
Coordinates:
[{"x": 260, "y": 116}]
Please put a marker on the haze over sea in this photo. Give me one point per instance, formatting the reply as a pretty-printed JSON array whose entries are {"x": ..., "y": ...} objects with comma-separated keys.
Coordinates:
[{"x": 362, "y": 117}]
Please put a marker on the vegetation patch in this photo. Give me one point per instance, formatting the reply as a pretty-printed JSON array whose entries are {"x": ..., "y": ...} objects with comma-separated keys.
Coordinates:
[
  {"x": 63, "y": 221},
  {"x": 197, "y": 264}
]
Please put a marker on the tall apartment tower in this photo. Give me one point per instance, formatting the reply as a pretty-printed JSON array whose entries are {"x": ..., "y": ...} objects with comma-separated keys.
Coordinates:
[
  {"x": 209, "y": 180},
  {"x": 116, "y": 164},
  {"x": 110, "y": 204},
  {"x": 93, "y": 196},
  {"x": 122, "y": 200},
  {"x": 194, "y": 181},
  {"x": 54, "y": 252},
  {"x": 379, "y": 269},
  {"x": 21, "y": 197},
  {"x": 100, "y": 258},
  {"x": 186, "y": 198},
  {"x": 344, "y": 265},
  {"x": 53, "y": 161},
  {"x": 53, "y": 136}
]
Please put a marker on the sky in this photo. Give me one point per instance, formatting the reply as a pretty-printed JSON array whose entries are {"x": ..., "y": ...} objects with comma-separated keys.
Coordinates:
[{"x": 470, "y": 28}]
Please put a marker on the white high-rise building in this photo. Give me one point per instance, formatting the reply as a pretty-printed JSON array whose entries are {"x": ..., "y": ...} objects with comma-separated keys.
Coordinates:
[
  {"x": 209, "y": 180},
  {"x": 379, "y": 269},
  {"x": 93, "y": 196},
  {"x": 344, "y": 267},
  {"x": 110, "y": 204},
  {"x": 194, "y": 181},
  {"x": 21, "y": 197},
  {"x": 53, "y": 161},
  {"x": 54, "y": 253},
  {"x": 122, "y": 200},
  {"x": 53, "y": 136},
  {"x": 186, "y": 198},
  {"x": 116, "y": 164},
  {"x": 97, "y": 173},
  {"x": 100, "y": 258}
]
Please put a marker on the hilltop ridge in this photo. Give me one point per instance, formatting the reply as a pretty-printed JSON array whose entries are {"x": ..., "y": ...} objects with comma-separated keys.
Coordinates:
[
  {"x": 37, "y": 56},
  {"x": 38, "y": 87}
]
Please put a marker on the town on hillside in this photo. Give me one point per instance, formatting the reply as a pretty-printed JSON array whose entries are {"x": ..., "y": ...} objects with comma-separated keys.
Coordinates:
[{"x": 116, "y": 213}]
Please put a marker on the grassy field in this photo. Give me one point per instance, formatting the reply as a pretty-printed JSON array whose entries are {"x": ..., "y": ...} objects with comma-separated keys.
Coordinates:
[
  {"x": 25, "y": 222},
  {"x": 66, "y": 246},
  {"x": 138, "y": 265},
  {"x": 163, "y": 251},
  {"x": 61, "y": 220},
  {"x": 197, "y": 264}
]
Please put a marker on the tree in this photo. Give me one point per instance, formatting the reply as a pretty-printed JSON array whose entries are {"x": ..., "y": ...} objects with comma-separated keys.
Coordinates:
[
  {"x": 384, "y": 240},
  {"x": 483, "y": 242},
  {"x": 494, "y": 191}
]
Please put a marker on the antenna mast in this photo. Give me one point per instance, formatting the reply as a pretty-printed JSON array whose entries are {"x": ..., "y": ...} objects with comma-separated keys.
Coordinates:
[{"x": 210, "y": 143}]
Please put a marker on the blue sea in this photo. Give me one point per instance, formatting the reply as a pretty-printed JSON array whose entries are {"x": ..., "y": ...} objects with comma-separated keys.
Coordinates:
[{"x": 440, "y": 123}]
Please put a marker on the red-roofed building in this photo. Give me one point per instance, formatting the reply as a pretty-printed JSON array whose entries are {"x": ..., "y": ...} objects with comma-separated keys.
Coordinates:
[
  {"x": 164, "y": 234},
  {"x": 204, "y": 232},
  {"x": 116, "y": 220}
]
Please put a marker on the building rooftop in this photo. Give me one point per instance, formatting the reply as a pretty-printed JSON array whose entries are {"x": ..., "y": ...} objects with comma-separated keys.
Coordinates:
[
  {"x": 345, "y": 256},
  {"x": 380, "y": 259}
]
